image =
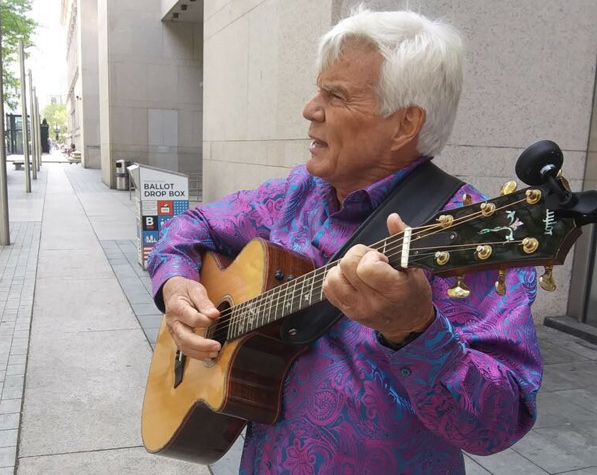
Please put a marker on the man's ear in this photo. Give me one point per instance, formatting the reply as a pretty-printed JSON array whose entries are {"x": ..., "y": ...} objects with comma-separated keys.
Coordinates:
[{"x": 410, "y": 121}]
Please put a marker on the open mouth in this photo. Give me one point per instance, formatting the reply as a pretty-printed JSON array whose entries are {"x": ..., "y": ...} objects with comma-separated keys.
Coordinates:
[{"x": 316, "y": 144}]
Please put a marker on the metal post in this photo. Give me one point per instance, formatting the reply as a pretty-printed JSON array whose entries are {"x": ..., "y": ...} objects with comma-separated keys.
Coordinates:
[
  {"x": 35, "y": 112},
  {"x": 24, "y": 114},
  {"x": 4, "y": 223},
  {"x": 38, "y": 115},
  {"x": 33, "y": 127}
]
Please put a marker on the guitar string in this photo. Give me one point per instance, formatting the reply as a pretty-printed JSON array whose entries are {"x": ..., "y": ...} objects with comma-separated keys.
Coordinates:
[
  {"x": 304, "y": 278},
  {"x": 286, "y": 288},
  {"x": 292, "y": 300},
  {"x": 267, "y": 298}
]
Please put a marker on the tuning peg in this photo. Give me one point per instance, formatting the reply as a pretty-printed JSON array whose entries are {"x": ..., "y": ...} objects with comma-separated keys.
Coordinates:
[
  {"x": 564, "y": 181},
  {"x": 509, "y": 187},
  {"x": 547, "y": 281},
  {"x": 500, "y": 284},
  {"x": 459, "y": 290}
]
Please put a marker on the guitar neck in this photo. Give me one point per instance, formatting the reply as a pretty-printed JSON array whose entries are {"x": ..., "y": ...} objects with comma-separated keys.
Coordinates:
[
  {"x": 512, "y": 230},
  {"x": 291, "y": 297}
]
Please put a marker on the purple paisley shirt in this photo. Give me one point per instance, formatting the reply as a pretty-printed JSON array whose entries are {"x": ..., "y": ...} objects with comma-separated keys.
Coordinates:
[{"x": 352, "y": 406}]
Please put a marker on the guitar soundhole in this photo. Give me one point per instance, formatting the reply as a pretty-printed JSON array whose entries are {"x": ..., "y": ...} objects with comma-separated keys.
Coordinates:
[{"x": 219, "y": 330}]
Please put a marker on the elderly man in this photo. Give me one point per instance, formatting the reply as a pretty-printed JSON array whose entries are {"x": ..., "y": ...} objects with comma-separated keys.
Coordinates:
[{"x": 408, "y": 378}]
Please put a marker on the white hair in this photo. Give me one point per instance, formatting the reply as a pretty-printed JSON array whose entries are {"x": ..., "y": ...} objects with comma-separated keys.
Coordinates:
[{"x": 422, "y": 66}]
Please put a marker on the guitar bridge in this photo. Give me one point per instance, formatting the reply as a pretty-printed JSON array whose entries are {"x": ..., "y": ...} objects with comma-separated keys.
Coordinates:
[{"x": 179, "y": 361}]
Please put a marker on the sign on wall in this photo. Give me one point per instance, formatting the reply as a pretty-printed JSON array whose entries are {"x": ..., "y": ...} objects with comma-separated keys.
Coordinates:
[{"x": 159, "y": 196}]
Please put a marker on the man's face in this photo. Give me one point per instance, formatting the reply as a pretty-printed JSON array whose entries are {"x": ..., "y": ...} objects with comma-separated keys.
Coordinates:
[{"x": 351, "y": 142}]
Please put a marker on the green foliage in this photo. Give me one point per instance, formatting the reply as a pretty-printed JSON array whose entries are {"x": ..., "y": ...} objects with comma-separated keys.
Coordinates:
[
  {"x": 55, "y": 114},
  {"x": 16, "y": 25}
]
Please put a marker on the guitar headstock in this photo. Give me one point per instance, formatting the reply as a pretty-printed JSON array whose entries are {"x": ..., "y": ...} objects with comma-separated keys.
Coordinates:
[{"x": 512, "y": 230}]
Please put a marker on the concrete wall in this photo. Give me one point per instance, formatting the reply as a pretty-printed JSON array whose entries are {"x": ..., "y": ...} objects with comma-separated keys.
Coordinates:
[
  {"x": 150, "y": 88},
  {"x": 73, "y": 109},
  {"x": 529, "y": 75},
  {"x": 104, "y": 93},
  {"x": 88, "y": 60},
  {"x": 259, "y": 71}
]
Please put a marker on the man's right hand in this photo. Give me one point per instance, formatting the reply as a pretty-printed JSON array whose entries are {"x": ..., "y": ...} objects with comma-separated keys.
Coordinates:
[{"x": 189, "y": 308}]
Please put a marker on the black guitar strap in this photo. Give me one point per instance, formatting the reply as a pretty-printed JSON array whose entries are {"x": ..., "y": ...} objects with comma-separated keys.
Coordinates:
[{"x": 419, "y": 196}]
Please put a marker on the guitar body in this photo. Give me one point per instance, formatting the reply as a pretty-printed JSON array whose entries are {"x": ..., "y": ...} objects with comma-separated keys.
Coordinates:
[{"x": 199, "y": 418}]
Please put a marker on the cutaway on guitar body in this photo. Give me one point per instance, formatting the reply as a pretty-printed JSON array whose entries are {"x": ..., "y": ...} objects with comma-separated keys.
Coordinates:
[{"x": 195, "y": 410}]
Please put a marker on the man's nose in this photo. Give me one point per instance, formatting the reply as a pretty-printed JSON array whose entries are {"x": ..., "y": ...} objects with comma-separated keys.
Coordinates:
[{"x": 313, "y": 110}]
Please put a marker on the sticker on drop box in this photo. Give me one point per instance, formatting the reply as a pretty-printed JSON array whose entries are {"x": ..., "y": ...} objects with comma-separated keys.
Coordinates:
[
  {"x": 162, "y": 221},
  {"x": 180, "y": 206},
  {"x": 150, "y": 223},
  {"x": 149, "y": 208},
  {"x": 150, "y": 238},
  {"x": 165, "y": 208}
]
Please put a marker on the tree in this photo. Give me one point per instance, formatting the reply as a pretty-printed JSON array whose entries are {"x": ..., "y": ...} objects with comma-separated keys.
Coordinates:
[
  {"x": 55, "y": 114},
  {"x": 16, "y": 25}
]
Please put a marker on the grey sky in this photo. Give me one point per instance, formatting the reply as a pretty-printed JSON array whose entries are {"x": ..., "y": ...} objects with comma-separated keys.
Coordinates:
[{"x": 48, "y": 58}]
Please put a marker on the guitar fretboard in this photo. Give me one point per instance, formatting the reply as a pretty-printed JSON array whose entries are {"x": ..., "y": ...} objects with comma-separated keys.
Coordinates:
[
  {"x": 277, "y": 303},
  {"x": 289, "y": 298}
]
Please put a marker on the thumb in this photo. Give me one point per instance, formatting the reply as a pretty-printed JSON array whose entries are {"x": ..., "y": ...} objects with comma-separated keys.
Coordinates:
[
  {"x": 201, "y": 301},
  {"x": 395, "y": 224}
]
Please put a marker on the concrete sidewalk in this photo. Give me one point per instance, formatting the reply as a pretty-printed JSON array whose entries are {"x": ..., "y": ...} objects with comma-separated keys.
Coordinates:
[
  {"x": 86, "y": 356},
  {"x": 76, "y": 331}
]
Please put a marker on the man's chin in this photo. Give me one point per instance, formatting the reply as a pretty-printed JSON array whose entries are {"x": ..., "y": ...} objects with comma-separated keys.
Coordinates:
[{"x": 312, "y": 164}]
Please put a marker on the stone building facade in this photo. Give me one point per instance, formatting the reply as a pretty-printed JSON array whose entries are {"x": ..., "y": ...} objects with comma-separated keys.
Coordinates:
[{"x": 218, "y": 87}]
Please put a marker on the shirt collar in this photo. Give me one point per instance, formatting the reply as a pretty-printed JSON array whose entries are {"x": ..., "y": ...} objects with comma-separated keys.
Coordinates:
[{"x": 378, "y": 191}]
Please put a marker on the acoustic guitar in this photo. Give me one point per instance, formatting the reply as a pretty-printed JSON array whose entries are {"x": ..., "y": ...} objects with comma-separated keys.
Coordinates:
[{"x": 195, "y": 410}]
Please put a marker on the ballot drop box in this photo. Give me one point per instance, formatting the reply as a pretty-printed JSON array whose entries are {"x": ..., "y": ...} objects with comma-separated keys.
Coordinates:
[{"x": 159, "y": 196}]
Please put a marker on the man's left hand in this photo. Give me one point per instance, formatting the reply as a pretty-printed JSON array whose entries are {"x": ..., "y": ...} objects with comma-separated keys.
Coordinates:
[{"x": 368, "y": 290}]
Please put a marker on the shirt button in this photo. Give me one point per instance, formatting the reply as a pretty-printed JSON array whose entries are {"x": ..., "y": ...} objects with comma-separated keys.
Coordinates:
[
  {"x": 404, "y": 372},
  {"x": 268, "y": 464}
]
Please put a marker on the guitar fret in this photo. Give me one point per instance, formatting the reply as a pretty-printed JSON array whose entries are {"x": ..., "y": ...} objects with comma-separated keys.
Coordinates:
[
  {"x": 261, "y": 311},
  {"x": 302, "y": 295},
  {"x": 286, "y": 302},
  {"x": 271, "y": 310},
  {"x": 291, "y": 306},
  {"x": 278, "y": 298},
  {"x": 311, "y": 290},
  {"x": 251, "y": 316},
  {"x": 321, "y": 290}
]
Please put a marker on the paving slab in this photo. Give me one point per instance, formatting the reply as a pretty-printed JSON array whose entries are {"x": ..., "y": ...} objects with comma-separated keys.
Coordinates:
[
  {"x": 25, "y": 210},
  {"x": 558, "y": 377},
  {"x": 69, "y": 240},
  {"x": 93, "y": 304},
  {"x": 508, "y": 462},
  {"x": 584, "y": 471},
  {"x": 128, "y": 461},
  {"x": 473, "y": 468},
  {"x": 555, "y": 353},
  {"x": 84, "y": 391},
  {"x": 550, "y": 454},
  {"x": 558, "y": 408},
  {"x": 82, "y": 264}
]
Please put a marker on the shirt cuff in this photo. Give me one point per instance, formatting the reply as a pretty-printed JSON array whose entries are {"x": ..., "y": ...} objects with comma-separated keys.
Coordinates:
[
  {"x": 167, "y": 270},
  {"x": 420, "y": 363}
]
